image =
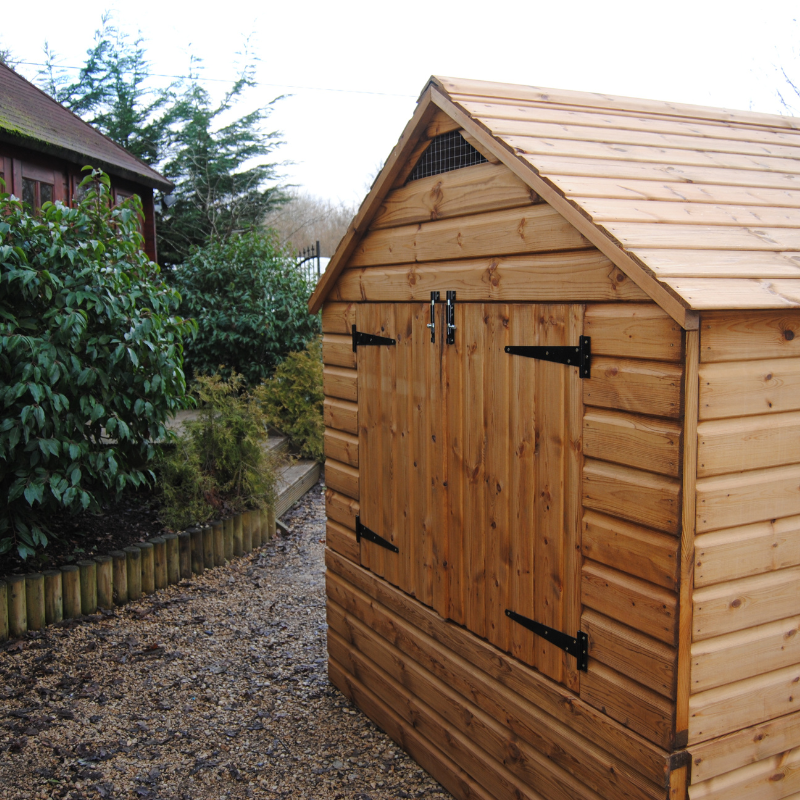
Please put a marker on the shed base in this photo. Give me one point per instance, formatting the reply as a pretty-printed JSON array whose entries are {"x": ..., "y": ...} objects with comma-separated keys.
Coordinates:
[{"x": 479, "y": 721}]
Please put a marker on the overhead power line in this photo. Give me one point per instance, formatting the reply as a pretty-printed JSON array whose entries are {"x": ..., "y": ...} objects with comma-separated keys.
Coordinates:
[{"x": 231, "y": 80}]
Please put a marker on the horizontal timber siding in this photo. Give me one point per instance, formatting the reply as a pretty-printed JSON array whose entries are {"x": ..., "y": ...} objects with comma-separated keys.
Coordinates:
[
  {"x": 340, "y": 409},
  {"x": 744, "y": 730},
  {"x": 632, "y": 442}
]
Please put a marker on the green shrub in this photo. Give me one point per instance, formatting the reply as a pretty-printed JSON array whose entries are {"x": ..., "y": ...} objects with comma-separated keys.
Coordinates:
[
  {"x": 91, "y": 357},
  {"x": 293, "y": 398},
  {"x": 250, "y": 303},
  {"x": 221, "y": 464}
]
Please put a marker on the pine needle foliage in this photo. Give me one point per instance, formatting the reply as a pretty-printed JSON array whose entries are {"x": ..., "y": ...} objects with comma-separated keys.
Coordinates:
[{"x": 293, "y": 398}]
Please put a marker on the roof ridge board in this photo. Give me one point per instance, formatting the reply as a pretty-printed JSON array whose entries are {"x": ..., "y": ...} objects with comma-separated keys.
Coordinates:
[
  {"x": 456, "y": 90},
  {"x": 94, "y": 132},
  {"x": 609, "y": 134},
  {"x": 525, "y": 145},
  {"x": 733, "y": 125}
]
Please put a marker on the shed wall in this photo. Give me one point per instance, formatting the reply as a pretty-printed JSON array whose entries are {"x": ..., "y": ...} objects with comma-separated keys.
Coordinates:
[{"x": 745, "y": 657}]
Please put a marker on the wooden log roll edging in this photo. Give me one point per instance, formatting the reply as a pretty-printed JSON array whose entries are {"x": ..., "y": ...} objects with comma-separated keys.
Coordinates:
[{"x": 33, "y": 601}]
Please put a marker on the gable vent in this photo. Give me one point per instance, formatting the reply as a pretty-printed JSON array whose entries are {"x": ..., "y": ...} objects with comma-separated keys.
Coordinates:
[{"x": 445, "y": 153}]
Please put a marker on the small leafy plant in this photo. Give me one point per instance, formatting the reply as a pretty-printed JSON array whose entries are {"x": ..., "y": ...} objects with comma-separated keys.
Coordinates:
[
  {"x": 293, "y": 398},
  {"x": 221, "y": 463},
  {"x": 91, "y": 358}
]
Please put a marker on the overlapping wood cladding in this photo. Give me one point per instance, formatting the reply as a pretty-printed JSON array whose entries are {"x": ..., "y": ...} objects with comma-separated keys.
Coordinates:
[
  {"x": 745, "y": 663},
  {"x": 632, "y": 443},
  {"x": 473, "y": 706}
]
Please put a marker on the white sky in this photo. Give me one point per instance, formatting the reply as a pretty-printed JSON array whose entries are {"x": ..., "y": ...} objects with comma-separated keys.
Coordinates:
[{"x": 354, "y": 69}]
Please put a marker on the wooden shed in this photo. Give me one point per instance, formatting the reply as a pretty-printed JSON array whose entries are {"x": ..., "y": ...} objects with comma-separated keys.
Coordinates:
[{"x": 564, "y": 522}]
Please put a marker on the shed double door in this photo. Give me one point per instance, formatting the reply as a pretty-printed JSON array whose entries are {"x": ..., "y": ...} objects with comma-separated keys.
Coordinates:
[{"x": 469, "y": 462}]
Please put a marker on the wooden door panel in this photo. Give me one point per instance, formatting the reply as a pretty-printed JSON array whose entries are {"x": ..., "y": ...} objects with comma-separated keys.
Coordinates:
[
  {"x": 402, "y": 466},
  {"x": 511, "y": 450}
]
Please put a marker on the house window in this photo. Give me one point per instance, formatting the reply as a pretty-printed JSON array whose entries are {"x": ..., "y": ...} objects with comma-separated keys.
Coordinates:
[{"x": 38, "y": 185}]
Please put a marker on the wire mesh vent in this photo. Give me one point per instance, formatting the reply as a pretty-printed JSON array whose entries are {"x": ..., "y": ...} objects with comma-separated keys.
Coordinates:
[{"x": 445, "y": 153}]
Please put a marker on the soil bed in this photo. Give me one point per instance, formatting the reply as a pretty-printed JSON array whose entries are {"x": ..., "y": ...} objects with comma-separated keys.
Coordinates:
[{"x": 213, "y": 689}]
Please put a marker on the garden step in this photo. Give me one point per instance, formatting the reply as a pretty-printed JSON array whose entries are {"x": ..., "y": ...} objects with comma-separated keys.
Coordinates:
[{"x": 294, "y": 481}]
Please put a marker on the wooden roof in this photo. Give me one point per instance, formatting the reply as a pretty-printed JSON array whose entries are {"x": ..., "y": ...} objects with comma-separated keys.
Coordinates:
[
  {"x": 30, "y": 118},
  {"x": 699, "y": 206}
]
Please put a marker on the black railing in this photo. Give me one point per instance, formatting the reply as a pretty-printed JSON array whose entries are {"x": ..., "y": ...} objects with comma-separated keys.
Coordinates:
[{"x": 309, "y": 263}]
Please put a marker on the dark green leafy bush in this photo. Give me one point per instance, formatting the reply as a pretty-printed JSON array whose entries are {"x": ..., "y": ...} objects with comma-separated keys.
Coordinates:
[
  {"x": 250, "y": 303},
  {"x": 91, "y": 358},
  {"x": 293, "y": 399},
  {"x": 221, "y": 464}
]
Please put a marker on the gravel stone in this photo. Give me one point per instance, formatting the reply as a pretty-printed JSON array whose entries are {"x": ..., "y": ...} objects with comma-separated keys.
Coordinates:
[{"x": 213, "y": 689}]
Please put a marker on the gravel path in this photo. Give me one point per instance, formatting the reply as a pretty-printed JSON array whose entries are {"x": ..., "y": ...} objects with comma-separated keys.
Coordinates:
[{"x": 213, "y": 689}]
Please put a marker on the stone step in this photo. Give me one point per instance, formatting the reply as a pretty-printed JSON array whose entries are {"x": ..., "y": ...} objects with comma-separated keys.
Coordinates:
[{"x": 294, "y": 481}]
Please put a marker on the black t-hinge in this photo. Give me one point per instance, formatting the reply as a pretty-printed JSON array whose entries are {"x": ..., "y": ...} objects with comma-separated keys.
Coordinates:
[
  {"x": 363, "y": 532},
  {"x": 580, "y": 356},
  {"x": 578, "y": 647},
  {"x": 360, "y": 338}
]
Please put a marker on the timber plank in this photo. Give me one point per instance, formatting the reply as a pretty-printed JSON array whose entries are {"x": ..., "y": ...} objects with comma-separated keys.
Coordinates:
[
  {"x": 734, "y": 336},
  {"x": 424, "y": 752},
  {"x": 746, "y": 388},
  {"x": 641, "y": 658},
  {"x": 734, "y": 706},
  {"x": 738, "y": 444},
  {"x": 720, "y": 263},
  {"x": 734, "y": 606},
  {"x": 439, "y": 713},
  {"x": 744, "y": 654},
  {"x": 638, "y": 551},
  {"x": 341, "y": 446},
  {"x": 636, "y": 603},
  {"x": 342, "y": 540},
  {"x": 341, "y": 509},
  {"x": 633, "y": 495},
  {"x": 342, "y": 478},
  {"x": 435, "y": 674},
  {"x": 475, "y": 190},
  {"x": 534, "y": 229},
  {"x": 755, "y": 743},
  {"x": 439, "y": 124},
  {"x": 678, "y": 213},
  {"x": 633, "y": 331},
  {"x": 546, "y": 695},
  {"x": 341, "y": 415},
  {"x": 575, "y": 276},
  {"x": 337, "y": 350},
  {"x": 338, "y": 318},
  {"x": 341, "y": 383},
  {"x": 467, "y": 754},
  {"x": 719, "y": 294},
  {"x": 648, "y": 443},
  {"x": 747, "y": 550},
  {"x": 641, "y": 387},
  {"x": 635, "y": 706},
  {"x": 774, "y": 778},
  {"x": 761, "y": 494}
]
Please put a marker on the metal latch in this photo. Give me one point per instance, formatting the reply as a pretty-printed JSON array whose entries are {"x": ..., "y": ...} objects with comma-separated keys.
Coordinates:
[
  {"x": 362, "y": 339},
  {"x": 432, "y": 323},
  {"x": 450, "y": 316},
  {"x": 577, "y": 647},
  {"x": 580, "y": 356},
  {"x": 363, "y": 532}
]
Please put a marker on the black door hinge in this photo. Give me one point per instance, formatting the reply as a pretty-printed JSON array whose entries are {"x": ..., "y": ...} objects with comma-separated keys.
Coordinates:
[
  {"x": 580, "y": 356},
  {"x": 577, "y": 647},
  {"x": 363, "y": 339},
  {"x": 450, "y": 317},
  {"x": 363, "y": 532}
]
